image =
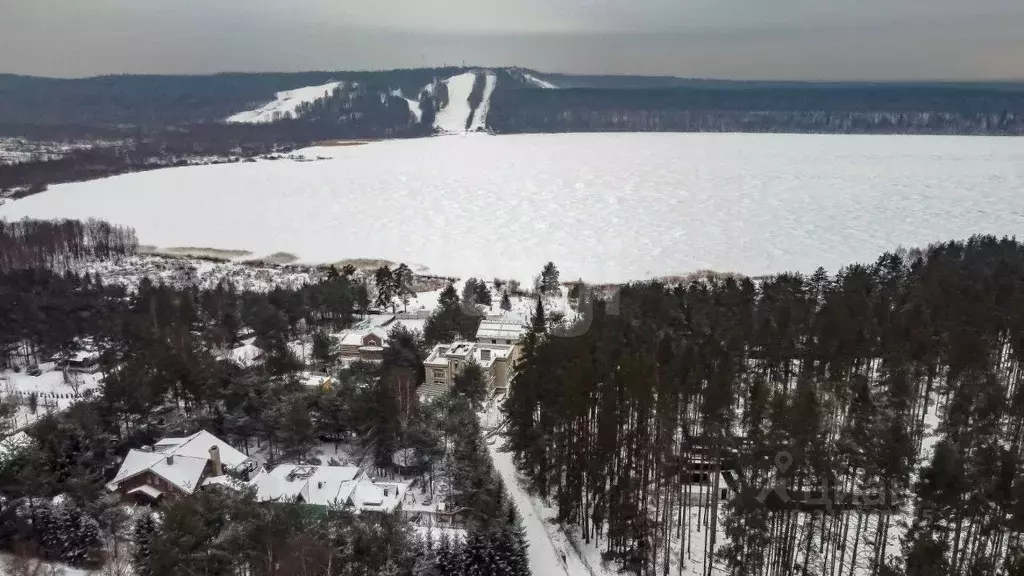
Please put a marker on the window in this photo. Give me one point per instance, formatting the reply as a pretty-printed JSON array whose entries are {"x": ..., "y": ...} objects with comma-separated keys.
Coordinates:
[
  {"x": 439, "y": 374},
  {"x": 494, "y": 341}
]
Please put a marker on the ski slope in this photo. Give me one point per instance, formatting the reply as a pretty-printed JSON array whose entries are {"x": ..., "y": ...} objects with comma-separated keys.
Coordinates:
[
  {"x": 538, "y": 82},
  {"x": 285, "y": 105},
  {"x": 414, "y": 105},
  {"x": 603, "y": 207},
  {"x": 480, "y": 118},
  {"x": 452, "y": 118}
]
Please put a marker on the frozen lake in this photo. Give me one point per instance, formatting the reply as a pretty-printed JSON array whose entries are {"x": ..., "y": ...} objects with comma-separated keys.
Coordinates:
[{"x": 605, "y": 207}]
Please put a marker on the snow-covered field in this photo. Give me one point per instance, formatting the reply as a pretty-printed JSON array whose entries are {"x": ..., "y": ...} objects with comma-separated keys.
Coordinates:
[
  {"x": 604, "y": 207},
  {"x": 54, "y": 392},
  {"x": 285, "y": 105}
]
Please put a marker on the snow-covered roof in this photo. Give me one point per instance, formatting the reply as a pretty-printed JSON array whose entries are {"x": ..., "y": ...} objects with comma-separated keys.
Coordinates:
[
  {"x": 486, "y": 354},
  {"x": 504, "y": 330},
  {"x": 319, "y": 485},
  {"x": 436, "y": 356},
  {"x": 183, "y": 472},
  {"x": 84, "y": 356},
  {"x": 460, "y": 350},
  {"x": 147, "y": 490},
  {"x": 180, "y": 461},
  {"x": 245, "y": 355},
  {"x": 198, "y": 445},
  {"x": 441, "y": 353},
  {"x": 226, "y": 481},
  {"x": 370, "y": 496},
  {"x": 353, "y": 338}
]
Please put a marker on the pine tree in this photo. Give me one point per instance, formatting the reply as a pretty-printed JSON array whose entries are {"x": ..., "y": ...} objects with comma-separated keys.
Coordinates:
[
  {"x": 142, "y": 539},
  {"x": 483, "y": 294},
  {"x": 516, "y": 553},
  {"x": 470, "y": 383},
  {"x": 325, "y": 349},
  {"x": 449, "y": 557},
  {"x": 385, "y": 283},
  {"x": 548, "y": 283},
  {"x": 449, "y": 298},
  {"x": 506, "y": 302},
  {"x": 538, "y": 322}
]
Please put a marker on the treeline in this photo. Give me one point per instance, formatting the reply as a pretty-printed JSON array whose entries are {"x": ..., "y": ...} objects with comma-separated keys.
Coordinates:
[
  {"x": 149, "y": 101},
  {"x": 810, "y": 400},
  {"x": 55, "y": 244},
  {"x": 784, "y": 108},
  {"x": 138, "y": 151}
]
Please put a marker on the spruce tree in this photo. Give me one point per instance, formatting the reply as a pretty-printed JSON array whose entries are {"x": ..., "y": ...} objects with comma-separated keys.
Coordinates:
[
  {"x": 385, "y": 282},
  {"x": 538, "y": 321},
  {"x": 548, "y": 283},
  {"x": 325, "y": 349}
]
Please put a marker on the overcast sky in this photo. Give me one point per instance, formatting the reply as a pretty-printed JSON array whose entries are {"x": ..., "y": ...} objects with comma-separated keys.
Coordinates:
[{"x": 743, "y": 39}]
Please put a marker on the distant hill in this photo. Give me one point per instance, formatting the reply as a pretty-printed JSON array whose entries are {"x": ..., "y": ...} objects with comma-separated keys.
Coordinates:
[{"x": 396, "y": 103}]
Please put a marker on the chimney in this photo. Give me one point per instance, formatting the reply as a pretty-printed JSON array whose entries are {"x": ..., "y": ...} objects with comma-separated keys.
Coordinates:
[
  {"x": 170, "y": 460},
  {"x": 218, "y": 468}
]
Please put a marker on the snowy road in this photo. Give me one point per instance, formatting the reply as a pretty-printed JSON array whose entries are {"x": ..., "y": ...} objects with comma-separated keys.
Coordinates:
[{"x": 545, "y": 553}]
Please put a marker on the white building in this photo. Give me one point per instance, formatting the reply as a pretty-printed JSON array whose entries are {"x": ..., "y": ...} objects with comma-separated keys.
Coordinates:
[
  {"x": 500, "y": 332},
  {"x": 341, "y": 486}
]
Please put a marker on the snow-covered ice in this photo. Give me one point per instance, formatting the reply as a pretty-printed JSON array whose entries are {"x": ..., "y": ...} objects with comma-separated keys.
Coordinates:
[
  {"x": 480, "y": 117},
  {"x": 453, "y": 117},
  {"x": 603, "y": 207},
  {"x": 285, "y": 105}
]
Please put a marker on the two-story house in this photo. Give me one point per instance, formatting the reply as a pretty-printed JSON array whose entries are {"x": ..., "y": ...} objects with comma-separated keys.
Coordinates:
[{"x": 446, "y": 361}]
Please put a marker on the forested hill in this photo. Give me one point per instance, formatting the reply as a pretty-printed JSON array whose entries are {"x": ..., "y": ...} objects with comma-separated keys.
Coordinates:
[
  {"x": 523, "y": 101},
  {"x": 675, "y": 105},
  {"x": 157, "y": 101}
]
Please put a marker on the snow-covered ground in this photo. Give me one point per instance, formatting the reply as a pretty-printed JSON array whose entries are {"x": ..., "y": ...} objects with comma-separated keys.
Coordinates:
[
  {"x": 53, "y": 392},
  {"x": 285, "y": 105},
  {"x": 480, "y": 117},
  {"x": 547, "y": 543},
  {"x": 603, "y": 207},
  {"x": 40, "y": 567},
  {"x": 453, "y": 117},
  {"x": 206, "y": 274}
]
